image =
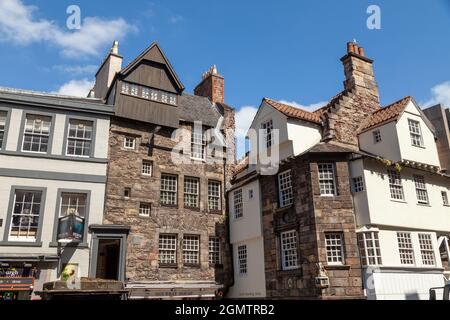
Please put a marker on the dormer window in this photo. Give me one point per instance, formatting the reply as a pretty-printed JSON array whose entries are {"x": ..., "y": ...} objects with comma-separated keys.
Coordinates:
[
  {"x": 267, "y": 128},
  {"x": 416, "y": 133},
  {"x": 377, "y": 136}
]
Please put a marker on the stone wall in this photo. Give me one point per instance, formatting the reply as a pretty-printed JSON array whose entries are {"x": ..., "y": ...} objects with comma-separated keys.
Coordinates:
[
  {"x": 155, "y": 144},
  {"x": 312, "y": 216}
]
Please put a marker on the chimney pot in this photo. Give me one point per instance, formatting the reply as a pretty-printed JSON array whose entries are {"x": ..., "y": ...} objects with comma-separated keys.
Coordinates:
[{"x": 361, "y": 52}]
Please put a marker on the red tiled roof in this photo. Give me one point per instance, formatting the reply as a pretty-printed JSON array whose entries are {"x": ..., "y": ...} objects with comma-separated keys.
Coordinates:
[
  {"x": 294, "y": 112},
  {"x": 386, "y": 114}
]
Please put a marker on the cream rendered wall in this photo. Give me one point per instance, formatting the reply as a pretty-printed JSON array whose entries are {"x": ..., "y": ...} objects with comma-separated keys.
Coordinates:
[
  {"x": 252, "y": 284},
  {"x": 14, "y": 128},
  {"x": 304, "y": 135},
  {"x": 407, "y": 214},
  {"x": 360, "y": 198},
  {"x": 428, "y": 154},
  {"x": 102, "y": 139},
  {"x": 58, "y": 136},
  {"x": 388, "y": 148},
  {"x": 250, "y": 225}
]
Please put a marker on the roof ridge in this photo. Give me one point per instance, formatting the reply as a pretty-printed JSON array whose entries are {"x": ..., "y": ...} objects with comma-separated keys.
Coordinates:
[
  {"x": 290, "y": 105},
  {"x": 46, "y": 94}
]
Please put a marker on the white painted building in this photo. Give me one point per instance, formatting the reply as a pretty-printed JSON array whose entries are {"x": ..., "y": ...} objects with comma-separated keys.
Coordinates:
[
  {"x": 401, "y": 203},
  {"x": 53, "y": 164}
]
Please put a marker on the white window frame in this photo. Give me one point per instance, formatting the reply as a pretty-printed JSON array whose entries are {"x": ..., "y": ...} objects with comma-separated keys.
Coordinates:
[
  {"x": 377, "y": 136},
  {"x": 358, "y": 184},
  {"x": 80, "y": 125},
  {"x": 3, "y": 119},
  {"x": 415, "y": 133},
  {"x": 214, "y": 251},
  {"x": 334, "y": 247},
  {"x": 406, "y": 248},
  {"x": 369, "y": 245},
  {"x": 289, "y": 250},
  {"x": 125, "y": 88},
  {"x": 77, "y": 207},
  {"x": 324, "y": 171},
  {"x": 147, "y": 168},
  {"x": 27, "y": 217},
  {"x": 285, "y": 190},
  {"x": 238, "y": 204},
  {"x": 198, "y": 145},
  {"x": 396, "y": 190},
  {"x": 242, "y": 259},
  {"x": 126, "y": 143},
  {"x": 145, "y": 209},
  {"x": 421, "y": 189},
  {"x": 171, "y": 190},
  {"x": 191, "y": 249},
  {"x": 167, "y": 249},
  {"x": 214, "y": 195},
  {"x": 39, "y": 134},
  {"x": 191, "y": 192},
  {"x": 268, "y": 133},
  {"x": 426, "y": 249}
]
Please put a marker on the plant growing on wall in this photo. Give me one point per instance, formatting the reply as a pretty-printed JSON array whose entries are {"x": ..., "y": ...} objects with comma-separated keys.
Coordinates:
[{"x": 389, "y": 164}]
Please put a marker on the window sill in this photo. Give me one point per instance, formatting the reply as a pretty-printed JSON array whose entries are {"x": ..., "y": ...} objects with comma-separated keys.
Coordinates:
[
  {"x": 69, "y": 245},
  {"x": 190, "y": 265},
  {"x": 399, "y": 201},
  {"x": 284, "y": 208},
  {"x": 424, "y": 204},
  {"x": 168, "y": 266},
  {"x": 215, "y": 212},
  {"x": 337, "y": 267},
  {"x": 20, "y": 244},
  {"x": 173, "y": 206},
  {"x": 421, "y": 147},
  {"x": 196, "y": 209}
]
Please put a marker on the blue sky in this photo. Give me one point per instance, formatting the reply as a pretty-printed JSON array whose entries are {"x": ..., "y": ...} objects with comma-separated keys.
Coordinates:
[{"x": 286, "y": 50}]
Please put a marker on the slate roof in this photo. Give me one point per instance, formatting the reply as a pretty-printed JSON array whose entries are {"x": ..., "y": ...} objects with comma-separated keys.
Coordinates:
[
  {"x": 386, "y": 114},
  {"x": 329, "y": 147},
  {"x": 196, "y": 108},
  {"x": 294, "y": 112}
]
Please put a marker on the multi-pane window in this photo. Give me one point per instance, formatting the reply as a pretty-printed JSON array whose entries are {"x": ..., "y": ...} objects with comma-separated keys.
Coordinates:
[
  {"x": 444, "y": 198},
  {"x": 415, "y": 133},
  {"x": 168, "y": 189},
  {"x": 127, "y": 192},
  {"x": 147, "y": 168},
  {"x": 405, "y": 248},
  {"x": 164, "y": 97},
  {"x": 376, "y": 136},
  {"x": 73, "y": 204},
  {"x": 395, "y": 185},
  {"x": 146, "y": 93},
  {"x": 172, "y": 99},
  {"x": 2, "y": 126},
  {"x": 369, "y": 246},
  {"x": 267, "y": 128},
  {"x": 250, "y": 194},
  {"x": 426, "y": 249},
  {"x": 334, "y": 246},
  {"x": 286, "y": 194},
  {"x": 145, "y": 209},
  {"x": 37, "y": 133},
  {"x": 25, "y": 215},
  {"x": 79, "y": 140},
  {"x": 134, "y": 90},
  {"x": 215, "y": 255},
  {"x": 191, "y": 192},
  {"x": 238, "y": 209},
  {"x": 242, "y": 259},
  {"x": 289, "y": 249},
  {"x": 191, "y": 249},
  {"x": 327, "y": 182},
  {"x": 154, "y": 95},
  {"x": 198, "y": 144},
  {"x": 129, "y": 143},
  {"x": 421, "y": 189},
  {"x": 358, "y": 184},
  {"x": 214, "y": 198},
  {"x": 167, "y": 249},
  {"x": 125, "y": 88}
]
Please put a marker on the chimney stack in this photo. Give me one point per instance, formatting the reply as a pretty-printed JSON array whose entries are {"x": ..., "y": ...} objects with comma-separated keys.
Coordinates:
[
  {"x": 105, "y": 74},
  {"x": 359, "y": 74},
  {"x": 211, "y": 86}
]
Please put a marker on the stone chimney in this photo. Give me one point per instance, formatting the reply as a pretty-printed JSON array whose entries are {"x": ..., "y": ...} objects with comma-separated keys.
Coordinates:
[
  {"x": 105, "y": 74},
  {"x": 358, "y": 69},
  {"x": 212, "y": 86}
]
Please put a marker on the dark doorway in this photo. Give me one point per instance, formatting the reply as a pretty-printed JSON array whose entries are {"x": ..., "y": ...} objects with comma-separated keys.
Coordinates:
[{"x": 108, "y": 259}]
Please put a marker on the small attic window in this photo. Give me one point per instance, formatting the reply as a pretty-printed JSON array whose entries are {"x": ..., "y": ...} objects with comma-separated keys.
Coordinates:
[{"x": 377, "y": 136}]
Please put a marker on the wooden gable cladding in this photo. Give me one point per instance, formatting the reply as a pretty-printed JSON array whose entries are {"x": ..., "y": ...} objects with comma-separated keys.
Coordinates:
[{"x": 155, "y": 75}]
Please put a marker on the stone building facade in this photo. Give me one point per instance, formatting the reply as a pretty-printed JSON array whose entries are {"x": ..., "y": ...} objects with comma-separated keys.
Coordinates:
[{"x": 173, "y": 201}]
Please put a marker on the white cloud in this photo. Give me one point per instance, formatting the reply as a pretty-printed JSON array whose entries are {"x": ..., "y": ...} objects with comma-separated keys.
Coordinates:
[
  {"x": 19, "y": 25},
  {"x": 310, "y": 107},
  {"x": 439, "y": 94},
  {"x": 176, "y": 18},
  {"x": 244, "y": 118},
  {"x": 76, "y": 88}
]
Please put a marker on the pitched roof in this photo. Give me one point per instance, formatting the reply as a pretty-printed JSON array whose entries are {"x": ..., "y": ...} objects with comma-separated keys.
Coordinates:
[
  {"x": 196, "y": 108},
  {"x": 294, "y": 112},
  {"x": 386, "y": 114}
]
